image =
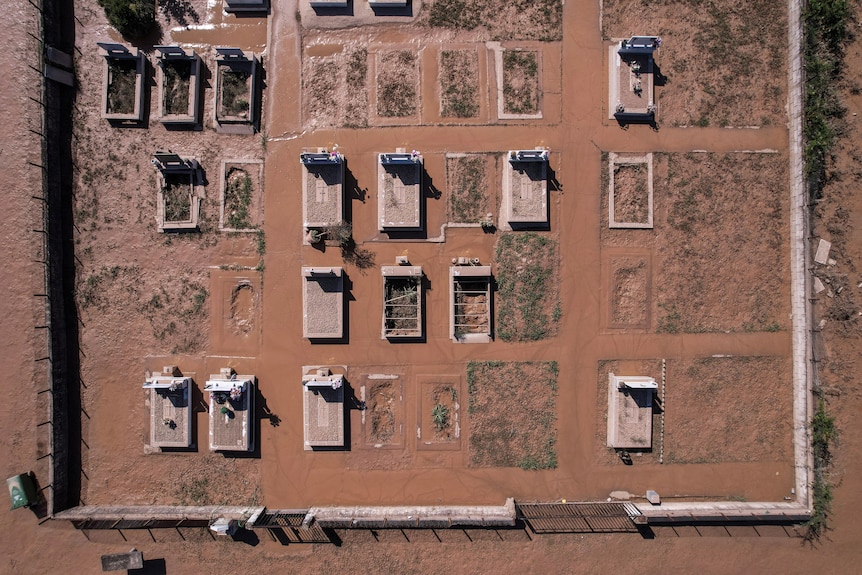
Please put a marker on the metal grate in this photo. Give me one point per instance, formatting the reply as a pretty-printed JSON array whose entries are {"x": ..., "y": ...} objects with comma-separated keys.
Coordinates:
[
  {"x": 579, "y": 517},
  {"x": 280, "y": 519}
]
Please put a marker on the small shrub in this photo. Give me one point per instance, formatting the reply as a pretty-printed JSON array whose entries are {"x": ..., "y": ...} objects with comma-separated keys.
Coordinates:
[
  {"x": 342, "y": 233},
  {"x": 133, "y": 19},
  {"x": 440, "y": 416}
]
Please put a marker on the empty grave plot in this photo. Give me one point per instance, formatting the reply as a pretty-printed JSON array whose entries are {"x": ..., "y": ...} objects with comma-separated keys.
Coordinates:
[
  {"x": 242, "y": 193},
  {"x": 177, "y": 192},
  {"x": 178, "y": 205},
  {"x": 242, "y": 306},
  {"x": 402, "y": 302},
  {"x": 722, "y": 260},
  {"x": 528, "y": 306},
  {"x": 728, "y": 409},
  {"x": 397, "y": 84},
  {"x": 722, "y": 63},
  {"x": 630, "y": 416},
  {"x": 235, "y": 90},
  {"x": 631, "y": 191},
  {"x": 469, "y": 198},
  {"x": 179, "y": 85},
  {"x": 521, "y": 84},
  {"x": 512, "y": 414},
  {"x": 335, "y": 88},
  {"x": 459, "y": 83},
  {"x": 383, "y": 418},
  {"x": 439, "y": 421},
  {"x": 177, "y": 79},
  {"x": 470, "y": 296},
  {"x": 121, "y": 86},
  {"x": 629, "y": 291},
  {"x": 123, "y": 94}
]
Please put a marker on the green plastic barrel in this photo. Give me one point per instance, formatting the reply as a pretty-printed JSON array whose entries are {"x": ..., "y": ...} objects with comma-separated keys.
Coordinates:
[{"x": 21, "y": 490}]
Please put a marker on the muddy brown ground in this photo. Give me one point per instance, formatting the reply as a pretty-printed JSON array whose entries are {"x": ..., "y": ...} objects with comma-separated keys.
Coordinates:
[{"x": 118, "y": 467}]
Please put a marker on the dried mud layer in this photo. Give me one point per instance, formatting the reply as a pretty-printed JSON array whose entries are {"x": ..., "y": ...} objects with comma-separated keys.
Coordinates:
[
  {"x": 440, "y": 412},
  {"x": 631, "y": 193},
  {"x": 605, "y": 455},
  {"x": 512, "y": 414},
  {"x": 528, "y": 297},
  {"x": 335, "y": 88},
  {"x": 728, "y": 409},
  {"x": 721, "y": 63},
  {"x": 467, "y": 183},
  {"x": 719, "y": 242},
  {"x": 143, "y": 293},
  {"x": 630, "y": 292},
  {"x": 381, "y": 405},
  {"x": 498, "y": 19},
  {"x": 459, "y": 83},
  {"x": 397, "y": 84}
]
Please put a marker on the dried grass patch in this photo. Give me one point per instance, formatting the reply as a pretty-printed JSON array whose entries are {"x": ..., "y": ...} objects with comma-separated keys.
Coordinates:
[
  {"x": 728, "y": 409},
  {"x": 528, "y": 302},
  {"x": 397, "y": 79},
  {"x": 459, "y": 84},
  {"x": 335, "y": 89},
  {"x": 512, "y": 412},
  {"x": 467, "y": 183},
  {"x": 521, "y": 89}
]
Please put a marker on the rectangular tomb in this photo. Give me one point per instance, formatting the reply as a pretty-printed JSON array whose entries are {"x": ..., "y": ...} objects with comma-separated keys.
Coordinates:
[
  {"x": 170, "y": 410},
  {"x": 236, "y": 90},
  {"x": 179, "y": 85},
  {"x": 322, "y": 303},
  {"x": 231, "y": 411},
  {"x": 470, "y": 297},
  {"x": 179, "y": 203},
  {"x": 322, "y": 189},
  {"x": 322, "y": 408},
  {"x": 123, "y": 86},
  {"x": 630, "y": 201},
  {"x": 246, "y": 6},
  {"x": 525, "y": 188},
  {"x": 402, "y": 302},
  {"x": 630, "y": 411},
  {"x": 399, "y": 196},
  {"x": 631, "y": 79}
]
